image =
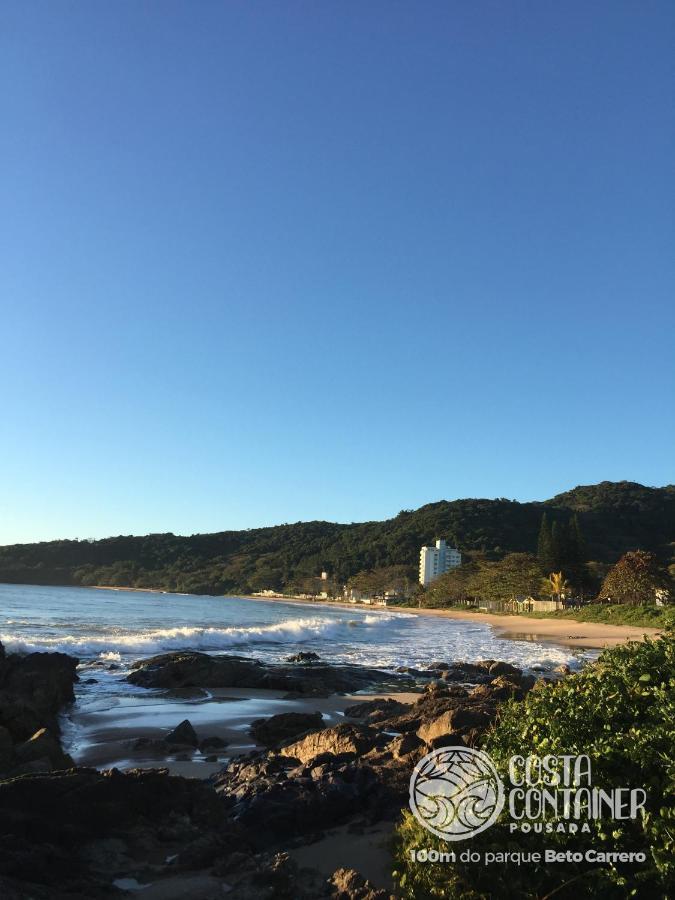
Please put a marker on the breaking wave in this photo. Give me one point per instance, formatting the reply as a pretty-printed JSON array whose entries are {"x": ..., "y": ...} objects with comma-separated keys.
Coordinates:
[{"x": 109, "y": 645}]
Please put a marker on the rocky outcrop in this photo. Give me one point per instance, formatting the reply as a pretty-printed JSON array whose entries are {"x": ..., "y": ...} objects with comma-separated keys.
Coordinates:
[
  {"x": 72, "y": 832},
  {"x": 33, "y": 690},
  {"x": 371, "y": 712},
  {"x": 276, "y": 730},
  {"x": 191, "y": 669},
  {"x": 339, "y": 740}
]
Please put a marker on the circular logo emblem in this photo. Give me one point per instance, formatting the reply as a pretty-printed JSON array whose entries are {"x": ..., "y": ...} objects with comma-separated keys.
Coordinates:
[{"x": 456, "y": 792}]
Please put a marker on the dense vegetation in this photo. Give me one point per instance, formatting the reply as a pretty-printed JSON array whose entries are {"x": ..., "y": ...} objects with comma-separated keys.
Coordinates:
[
  {"x": 636, "y": 580},
  {"x": 613, "y": 517},
  {"x": 641, "y": 616},
  {"x": 621, "y": 712}
]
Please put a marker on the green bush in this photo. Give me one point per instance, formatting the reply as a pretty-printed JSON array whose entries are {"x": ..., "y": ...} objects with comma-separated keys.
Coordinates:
[{"x": 619, "y": 711}]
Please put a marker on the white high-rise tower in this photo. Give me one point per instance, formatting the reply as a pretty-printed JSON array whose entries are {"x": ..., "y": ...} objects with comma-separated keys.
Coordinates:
[{"x": 438, "y": 560}]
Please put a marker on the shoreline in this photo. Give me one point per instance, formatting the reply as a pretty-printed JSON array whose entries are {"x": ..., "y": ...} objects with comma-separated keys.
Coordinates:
[
  {"x": 569, "y": 633},
  {"x": 566, "y": 632}
]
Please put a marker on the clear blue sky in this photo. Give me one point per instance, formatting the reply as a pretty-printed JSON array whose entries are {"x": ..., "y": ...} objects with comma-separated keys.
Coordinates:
[{"x": 263, "y": 262}]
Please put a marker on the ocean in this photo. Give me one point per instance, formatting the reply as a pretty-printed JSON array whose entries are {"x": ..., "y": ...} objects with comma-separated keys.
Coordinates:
[
  {"x": 108, "y": 630},
  {"x": 123, "y": 626}
]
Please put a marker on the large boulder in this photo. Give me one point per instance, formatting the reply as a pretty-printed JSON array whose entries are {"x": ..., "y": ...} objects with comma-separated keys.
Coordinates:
[
  {"x": 192, "y": 669},
  {"x": 343, "y": 738},
  {"x": 468, "y": 673},
  {"x": 374, "y": 711},
  {"x": 455, "y": 722},
  {"x": 33, "y": 690},
  {"x": 183, "y": 734},
  {"x": 277, "y": 729},
  {"x": 43, "y": 745},
  {"x": 503, "y": 668}
]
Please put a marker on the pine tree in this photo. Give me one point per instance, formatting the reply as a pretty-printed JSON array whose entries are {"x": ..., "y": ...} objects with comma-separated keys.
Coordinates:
[
  {"x": 558, "y": 546},
  {"x": 545, "y": 553},
  {"x": 577, "y": 554}
]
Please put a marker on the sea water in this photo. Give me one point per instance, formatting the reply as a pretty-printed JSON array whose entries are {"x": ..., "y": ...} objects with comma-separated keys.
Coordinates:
[{"x": 108, "y": 630}]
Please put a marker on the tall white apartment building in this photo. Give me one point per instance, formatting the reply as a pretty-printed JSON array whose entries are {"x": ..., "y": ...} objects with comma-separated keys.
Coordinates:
[{"x": 438, "y": 560}]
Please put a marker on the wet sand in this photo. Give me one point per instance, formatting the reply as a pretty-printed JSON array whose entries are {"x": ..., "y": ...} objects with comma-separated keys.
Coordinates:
[{"x": 105, "y": 736}]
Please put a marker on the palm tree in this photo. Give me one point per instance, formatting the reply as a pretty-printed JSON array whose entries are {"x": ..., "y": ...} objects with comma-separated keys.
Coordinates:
[{"x": 557, "y": 585}]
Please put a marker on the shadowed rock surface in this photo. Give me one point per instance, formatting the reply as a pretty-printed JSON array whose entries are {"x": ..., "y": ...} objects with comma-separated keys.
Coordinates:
[
  {"x": 178, "y": 670},
  {"x": 73, "y": 835},
  {"x": 283, "y": 727},
  {"x": 33, "y": 690}
]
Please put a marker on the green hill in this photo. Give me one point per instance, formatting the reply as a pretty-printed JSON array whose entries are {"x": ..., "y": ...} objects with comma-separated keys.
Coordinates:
[{"x": 614, "y": 516}]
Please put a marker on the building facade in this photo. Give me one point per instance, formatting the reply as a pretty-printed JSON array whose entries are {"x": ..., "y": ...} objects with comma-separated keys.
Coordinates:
[{"x": 438, "y": 560}]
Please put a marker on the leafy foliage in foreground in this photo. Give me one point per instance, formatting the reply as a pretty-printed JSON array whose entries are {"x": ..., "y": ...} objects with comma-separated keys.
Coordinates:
[{"x": 619, "y": 711}]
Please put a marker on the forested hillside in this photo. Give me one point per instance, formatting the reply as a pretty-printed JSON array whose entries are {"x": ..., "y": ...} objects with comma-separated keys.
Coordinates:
[{"x": 614, "y": 517}]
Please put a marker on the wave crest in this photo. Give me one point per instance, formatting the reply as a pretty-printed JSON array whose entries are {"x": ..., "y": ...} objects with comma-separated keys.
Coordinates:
[{"x": 111, "y": 645}]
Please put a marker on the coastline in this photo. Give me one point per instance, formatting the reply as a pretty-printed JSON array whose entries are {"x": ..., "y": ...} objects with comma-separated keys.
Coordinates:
[
  {"x": 562, "y": 632},
  {"x": 566, "y": 632},
  {"x": 569, "y": 633}
]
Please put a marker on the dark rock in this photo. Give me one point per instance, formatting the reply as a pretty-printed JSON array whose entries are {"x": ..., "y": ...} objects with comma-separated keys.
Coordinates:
[
  {"x": 447, "y": 740},
  {"x": 438, "y": 666},
  {"x": 107, "y": 855},
  {"x": 284, "y": 727},
  {"x": 468, "y": 673},
  {"x": 507, "y": 687},
  {"x": 49, "y": 820},
  {"x": 6, "y": 748},
  {"x": 455, "y": 720},
  {"x": 43, "y": 745},
  {"x": 343, "y": 738},
  {"x": 305, "y": 656},
  {"x": 190, "y": 669},
  {"x": 183, "y": 734},
  {"x": 34, "y": 688},
  {"x": 374, "y": 711},
  {"x": 409, "y": 670},
  {"x": 503, "y": 668},
  {"x": 405, "y": 744}
]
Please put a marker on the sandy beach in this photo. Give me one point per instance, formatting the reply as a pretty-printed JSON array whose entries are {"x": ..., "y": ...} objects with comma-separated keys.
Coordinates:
[{"x": 565, "y": 632}]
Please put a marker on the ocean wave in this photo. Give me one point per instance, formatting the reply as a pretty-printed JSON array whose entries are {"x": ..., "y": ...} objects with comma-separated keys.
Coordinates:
[{"x": 110, "y": 646}]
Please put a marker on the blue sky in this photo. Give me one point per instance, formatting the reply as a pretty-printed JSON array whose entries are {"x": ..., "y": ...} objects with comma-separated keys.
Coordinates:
[{"x": 279, "y": 261}]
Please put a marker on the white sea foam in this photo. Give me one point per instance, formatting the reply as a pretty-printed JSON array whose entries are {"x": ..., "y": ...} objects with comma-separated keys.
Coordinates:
[{"x": 109, "y": 646}]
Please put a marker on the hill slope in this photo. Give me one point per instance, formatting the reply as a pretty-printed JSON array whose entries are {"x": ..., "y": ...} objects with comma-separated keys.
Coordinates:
[{"x": 614, "y": 516}]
